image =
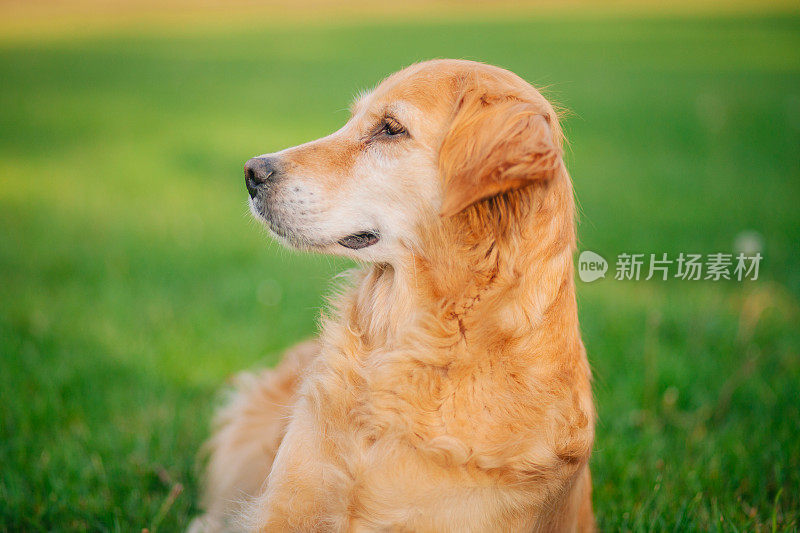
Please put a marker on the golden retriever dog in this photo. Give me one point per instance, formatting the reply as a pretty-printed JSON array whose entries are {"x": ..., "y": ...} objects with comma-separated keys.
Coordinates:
[{"x": 448, "y": 390}]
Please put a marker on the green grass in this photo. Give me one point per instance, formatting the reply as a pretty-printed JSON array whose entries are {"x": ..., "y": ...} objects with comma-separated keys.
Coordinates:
[{"x": 133, "y": 283}]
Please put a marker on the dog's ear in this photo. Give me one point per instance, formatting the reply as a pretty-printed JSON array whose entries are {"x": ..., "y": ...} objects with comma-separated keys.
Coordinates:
[{"x": 494, "y": 145}]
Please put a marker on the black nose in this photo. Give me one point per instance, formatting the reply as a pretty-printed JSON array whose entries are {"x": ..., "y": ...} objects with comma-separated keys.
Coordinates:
[{"x": 257, "y": 172}]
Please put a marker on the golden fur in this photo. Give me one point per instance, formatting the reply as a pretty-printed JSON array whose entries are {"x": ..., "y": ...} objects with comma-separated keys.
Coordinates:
[{"x": 449, "y": 389}]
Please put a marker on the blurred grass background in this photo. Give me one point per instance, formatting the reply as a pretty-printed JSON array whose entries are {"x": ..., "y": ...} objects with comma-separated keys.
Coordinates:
[{"x": 133, "y": 282}]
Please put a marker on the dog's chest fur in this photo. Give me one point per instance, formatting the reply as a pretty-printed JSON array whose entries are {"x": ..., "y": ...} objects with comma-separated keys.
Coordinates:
[{"x": 431, "y": 403}]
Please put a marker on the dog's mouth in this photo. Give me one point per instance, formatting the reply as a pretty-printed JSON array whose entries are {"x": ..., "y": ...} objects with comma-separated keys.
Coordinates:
[
  {"x": 360, "y": 240},
  {"x": 354, "y": 241}
]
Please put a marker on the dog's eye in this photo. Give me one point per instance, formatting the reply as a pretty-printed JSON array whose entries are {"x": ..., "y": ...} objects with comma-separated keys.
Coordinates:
[{"x": 390, "y": 127}]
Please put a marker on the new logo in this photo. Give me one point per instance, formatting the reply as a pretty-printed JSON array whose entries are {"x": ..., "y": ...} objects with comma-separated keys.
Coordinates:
[{"x": 591, "y": 266}]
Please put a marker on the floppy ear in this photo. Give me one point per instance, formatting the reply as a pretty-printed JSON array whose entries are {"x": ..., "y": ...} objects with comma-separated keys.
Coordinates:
[{"x": 494, "y": 145}]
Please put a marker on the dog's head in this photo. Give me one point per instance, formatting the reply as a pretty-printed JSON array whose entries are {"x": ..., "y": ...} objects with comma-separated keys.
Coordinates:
[{"x": 427, "y": 144}]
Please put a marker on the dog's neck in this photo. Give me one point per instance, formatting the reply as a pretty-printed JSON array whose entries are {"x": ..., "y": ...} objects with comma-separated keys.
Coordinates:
[{"x": 497, "y": 275}]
